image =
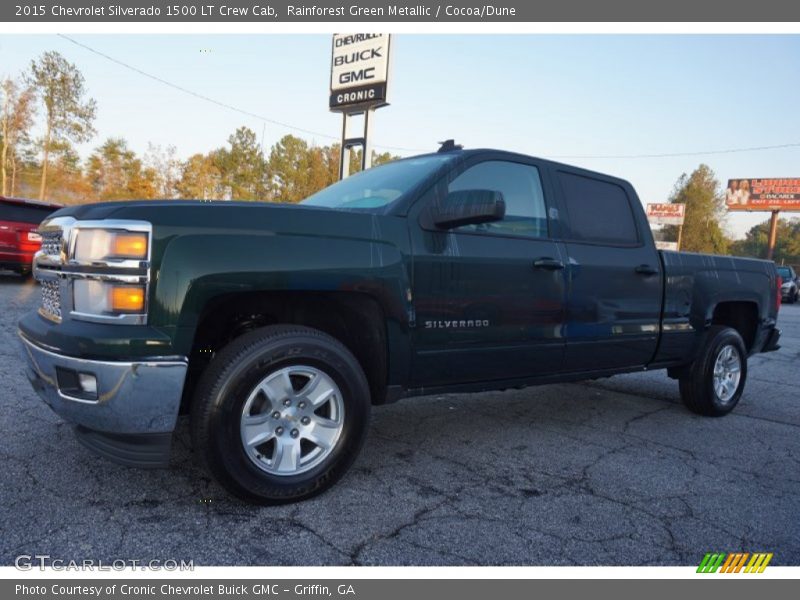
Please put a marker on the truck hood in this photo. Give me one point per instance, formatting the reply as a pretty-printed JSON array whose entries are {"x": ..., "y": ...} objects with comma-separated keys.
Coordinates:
[{"x": 179, "y": 217}]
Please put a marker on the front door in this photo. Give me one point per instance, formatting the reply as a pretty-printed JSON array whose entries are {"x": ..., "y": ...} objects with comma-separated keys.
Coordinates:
[{"x": 489, "y": 299}]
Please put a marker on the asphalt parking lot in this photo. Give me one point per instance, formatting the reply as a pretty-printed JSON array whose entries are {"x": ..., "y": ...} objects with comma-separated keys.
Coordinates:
[{"x": 614, "y": 472}]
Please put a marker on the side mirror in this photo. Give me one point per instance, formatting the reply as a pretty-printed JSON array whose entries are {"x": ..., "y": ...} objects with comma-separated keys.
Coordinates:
[{"x": 469, "y": 207}]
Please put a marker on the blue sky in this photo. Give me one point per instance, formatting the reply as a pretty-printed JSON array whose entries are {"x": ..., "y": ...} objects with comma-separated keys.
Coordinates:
[{"x": 546, "y": 95}]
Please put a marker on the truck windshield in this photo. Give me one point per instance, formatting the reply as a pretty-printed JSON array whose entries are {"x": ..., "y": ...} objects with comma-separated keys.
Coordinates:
[
  {"x": 785, "y": 273},
  {"x": 378, "y": 186}
]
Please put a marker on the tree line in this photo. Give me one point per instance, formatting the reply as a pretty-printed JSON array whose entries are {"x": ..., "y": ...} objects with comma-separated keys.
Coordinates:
[{"x": 52, "y": 94}]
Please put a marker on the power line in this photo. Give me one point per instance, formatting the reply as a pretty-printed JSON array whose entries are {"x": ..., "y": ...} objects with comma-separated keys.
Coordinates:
[
  {"x": 677, "y": 154},
  {"x": 402, "y": 149},
  {"x": 217, "y": 102}
]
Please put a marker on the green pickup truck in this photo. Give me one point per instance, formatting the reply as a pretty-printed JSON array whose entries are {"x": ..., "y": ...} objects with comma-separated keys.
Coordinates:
[{"x": 277, "y": 327}]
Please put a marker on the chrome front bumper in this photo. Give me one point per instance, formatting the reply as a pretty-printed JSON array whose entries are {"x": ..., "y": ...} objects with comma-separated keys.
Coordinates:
[{"x": 136, "y": 401}]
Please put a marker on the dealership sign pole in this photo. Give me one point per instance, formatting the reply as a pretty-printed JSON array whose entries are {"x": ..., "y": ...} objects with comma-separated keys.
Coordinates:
[
  {"x": 667, "y": 214},
  {"x": 774, "y": 195},
  {"x": 359, "y": 85}
]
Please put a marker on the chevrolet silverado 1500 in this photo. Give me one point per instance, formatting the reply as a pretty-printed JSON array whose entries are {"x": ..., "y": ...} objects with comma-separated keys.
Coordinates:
[{"x": 277, "y": 327}]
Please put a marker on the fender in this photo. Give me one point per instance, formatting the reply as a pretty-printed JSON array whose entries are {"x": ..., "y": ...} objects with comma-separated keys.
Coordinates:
[{"x": 197, "y": 268}]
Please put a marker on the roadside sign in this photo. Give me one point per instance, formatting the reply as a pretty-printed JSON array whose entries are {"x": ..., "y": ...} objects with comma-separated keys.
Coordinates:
[
  {"x": 666, "y": 214},
  {"x": 359, "y": 71},
  {"x": 763, "y": 194},
  {"x": 667, "y": 245}
]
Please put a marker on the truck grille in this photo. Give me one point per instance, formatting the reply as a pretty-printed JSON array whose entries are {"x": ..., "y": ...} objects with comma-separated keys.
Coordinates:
[
  {"x": 51, "y": 242},
  {"x": 51, "y": 299}
]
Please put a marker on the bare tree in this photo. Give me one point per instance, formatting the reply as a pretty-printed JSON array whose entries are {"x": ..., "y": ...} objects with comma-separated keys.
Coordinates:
[
  {"x": 164, "y": 162},
  {"x": 69, "y": 115},
  {"x": 16, "y": 119}
]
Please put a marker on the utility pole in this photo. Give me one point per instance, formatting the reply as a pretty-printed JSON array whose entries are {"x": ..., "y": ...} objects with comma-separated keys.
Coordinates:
[{"x": 773, "y": 234}]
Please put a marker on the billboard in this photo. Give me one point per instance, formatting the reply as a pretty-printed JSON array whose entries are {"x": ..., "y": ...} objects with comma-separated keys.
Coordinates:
[
  {"x": 763, "y": 194},
  {"x": 666, "y": 214},
  {"x": 359, "y": 70}
]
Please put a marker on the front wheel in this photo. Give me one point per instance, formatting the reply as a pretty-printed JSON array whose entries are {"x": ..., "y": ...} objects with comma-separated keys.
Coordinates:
[
  {"x": 280, "y": 414},
  {"x": 716, "y": 380}
]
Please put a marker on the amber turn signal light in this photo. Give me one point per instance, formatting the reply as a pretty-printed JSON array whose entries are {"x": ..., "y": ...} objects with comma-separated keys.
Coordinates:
[
  {"x": 127, "y": 299},
  {"x": 129, "y": 245}
]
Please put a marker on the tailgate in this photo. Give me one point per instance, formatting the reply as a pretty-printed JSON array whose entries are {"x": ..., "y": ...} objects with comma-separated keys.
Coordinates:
[
  {"x": 14, "y": 236},
  {"x": 8, "y": 235}
]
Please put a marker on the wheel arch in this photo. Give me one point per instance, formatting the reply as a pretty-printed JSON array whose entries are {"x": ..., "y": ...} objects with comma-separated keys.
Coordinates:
[
  {"x": 741, "y": 315},
  {"x": 355, "y": 319}
]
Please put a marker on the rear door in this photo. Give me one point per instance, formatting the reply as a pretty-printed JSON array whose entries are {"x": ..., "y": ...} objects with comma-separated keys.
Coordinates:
[
  {"x": 485, "y": 308},
  {"x": 614, "y": 275}
]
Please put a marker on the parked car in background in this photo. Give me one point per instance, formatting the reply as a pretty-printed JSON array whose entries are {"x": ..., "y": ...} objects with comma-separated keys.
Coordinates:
[
  {"x": 789, "y": 290},
  {"x": 19, "y": 240}
]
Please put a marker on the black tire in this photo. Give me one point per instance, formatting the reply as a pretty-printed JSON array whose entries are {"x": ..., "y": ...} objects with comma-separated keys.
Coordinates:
[
  {"x": 697, "y": 389},
  {"x": 794, "y": 296},
  {"x": 227, "y": 383}
]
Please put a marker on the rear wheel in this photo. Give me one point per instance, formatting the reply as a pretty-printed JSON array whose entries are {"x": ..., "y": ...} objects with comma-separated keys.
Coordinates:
[
  {"x": 716, "y": 380},
  {"x": 280, "y": 414}
]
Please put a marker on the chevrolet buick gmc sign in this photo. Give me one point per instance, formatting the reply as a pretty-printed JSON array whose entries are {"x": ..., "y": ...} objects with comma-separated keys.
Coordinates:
[{"x": 359, "y": 70}]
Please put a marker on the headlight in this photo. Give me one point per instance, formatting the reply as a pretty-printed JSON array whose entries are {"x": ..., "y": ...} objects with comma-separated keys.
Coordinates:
[
  {"x": 105, "y": 298},
  {"x": 104, "y": 244}
]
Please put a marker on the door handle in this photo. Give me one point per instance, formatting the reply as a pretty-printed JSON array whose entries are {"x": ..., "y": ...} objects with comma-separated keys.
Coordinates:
[
  {"x": 646, "y": 270},
  {"x": 548, "y": 264}
]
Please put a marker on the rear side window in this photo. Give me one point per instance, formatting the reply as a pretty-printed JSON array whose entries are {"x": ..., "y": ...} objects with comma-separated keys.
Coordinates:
[
  {"x": 24, "y": 214},
  {"x": 598, "y": 211},
  {"x": 521, "y": 187}
]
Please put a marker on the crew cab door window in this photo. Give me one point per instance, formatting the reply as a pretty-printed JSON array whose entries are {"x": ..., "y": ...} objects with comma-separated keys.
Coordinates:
[
  {"x": 521, "y": 188},
  {"x": 599, "y": 211}
]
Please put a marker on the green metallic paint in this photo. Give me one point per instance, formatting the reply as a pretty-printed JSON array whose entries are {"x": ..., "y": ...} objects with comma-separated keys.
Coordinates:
[{"x": 204, "y": 251}]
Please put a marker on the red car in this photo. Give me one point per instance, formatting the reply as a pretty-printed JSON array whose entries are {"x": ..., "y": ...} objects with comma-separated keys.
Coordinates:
[{"x": 19, "y": 241}]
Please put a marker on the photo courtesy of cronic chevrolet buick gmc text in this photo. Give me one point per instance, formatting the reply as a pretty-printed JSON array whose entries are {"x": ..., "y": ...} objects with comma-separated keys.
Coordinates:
[{"x": 276, "y": 327}]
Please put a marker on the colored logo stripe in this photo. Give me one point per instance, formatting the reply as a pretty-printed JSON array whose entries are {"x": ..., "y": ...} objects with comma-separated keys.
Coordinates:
[
  {"x": 711, "y": 562},
  {"x": 733, "y": 562},
  {"x": 758, "y": 563}
]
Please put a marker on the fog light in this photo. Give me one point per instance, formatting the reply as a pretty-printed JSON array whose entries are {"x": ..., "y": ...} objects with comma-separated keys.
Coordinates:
[
  {"x": 88, "y": 383},
  {"x": 76, "y": 386}
]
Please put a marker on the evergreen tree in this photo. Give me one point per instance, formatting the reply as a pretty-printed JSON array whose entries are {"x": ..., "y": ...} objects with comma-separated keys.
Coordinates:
[{"x": 705, "y": 212}]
